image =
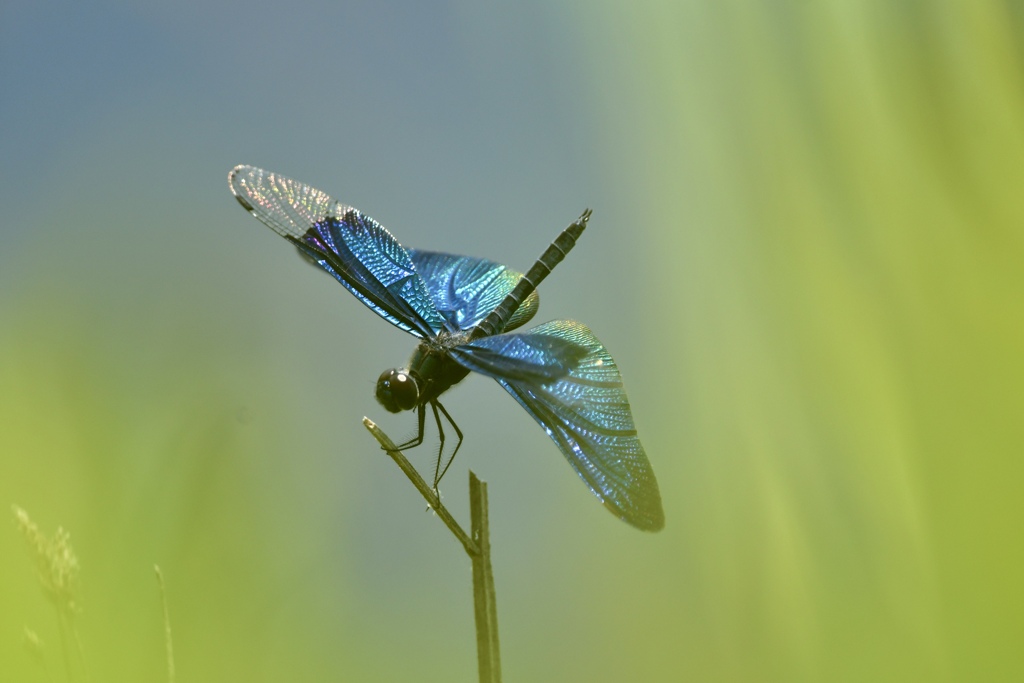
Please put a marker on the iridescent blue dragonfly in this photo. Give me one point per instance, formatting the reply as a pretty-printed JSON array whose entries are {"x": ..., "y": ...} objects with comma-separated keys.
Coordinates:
[{"x": 462, "y": 310}]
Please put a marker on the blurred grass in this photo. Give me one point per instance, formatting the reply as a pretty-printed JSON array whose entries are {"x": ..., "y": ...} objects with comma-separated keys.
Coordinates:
[
  {"x": 823, "y": 198},
  {"x": 835, "y": 187}
]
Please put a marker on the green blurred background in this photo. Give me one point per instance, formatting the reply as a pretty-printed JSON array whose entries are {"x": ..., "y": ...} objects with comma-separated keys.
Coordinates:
[{"x": 805, "y": 256}]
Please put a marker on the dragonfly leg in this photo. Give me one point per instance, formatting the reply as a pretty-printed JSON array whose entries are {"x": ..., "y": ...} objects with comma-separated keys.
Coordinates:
[
  {"x": 421, "y": 415},
  {"x": 440, "y": 449},
  {"x": 458, "y": 432}
]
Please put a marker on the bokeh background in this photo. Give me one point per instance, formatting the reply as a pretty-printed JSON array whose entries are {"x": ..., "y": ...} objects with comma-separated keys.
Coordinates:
[{"x": 806, "y": 257}]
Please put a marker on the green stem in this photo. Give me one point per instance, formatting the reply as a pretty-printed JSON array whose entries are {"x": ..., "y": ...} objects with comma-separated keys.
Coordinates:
[
  {"x": 478, "y": 548},
  {"x": 168, "y": 644},
  {"x": 484, "y": 601}
]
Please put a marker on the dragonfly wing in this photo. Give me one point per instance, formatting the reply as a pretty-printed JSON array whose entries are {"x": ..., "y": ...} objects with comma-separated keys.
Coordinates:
[
  {"x": 465, "y": 289},
  {"x": 583, "y": 408},
  {"x": 532, "y": 356},
  {"x": 353, "y": 248}
]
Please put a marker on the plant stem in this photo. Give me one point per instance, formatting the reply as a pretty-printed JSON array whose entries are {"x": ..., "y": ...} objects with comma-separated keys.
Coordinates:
[
  {"x": 478, "y": 548},
  {"x": 168, "y": 645},
  {"x": 484, "y": 601}
]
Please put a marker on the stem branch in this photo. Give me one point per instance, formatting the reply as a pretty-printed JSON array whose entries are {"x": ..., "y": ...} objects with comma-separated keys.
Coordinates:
[{"x": 478, "y": 548}]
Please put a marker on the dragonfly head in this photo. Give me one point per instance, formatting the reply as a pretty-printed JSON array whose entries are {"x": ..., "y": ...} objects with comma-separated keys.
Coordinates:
[{"x": 397, "y": 390}]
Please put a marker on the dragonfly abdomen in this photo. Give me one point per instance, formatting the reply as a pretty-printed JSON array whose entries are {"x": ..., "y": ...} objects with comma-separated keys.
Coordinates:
[{"x": 496, "y": 320}]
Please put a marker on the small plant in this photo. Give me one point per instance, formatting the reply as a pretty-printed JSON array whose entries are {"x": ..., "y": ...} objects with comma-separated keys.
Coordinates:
[
  {"x": 168, "y": 644},
  {"x": 57, "y": 570}
]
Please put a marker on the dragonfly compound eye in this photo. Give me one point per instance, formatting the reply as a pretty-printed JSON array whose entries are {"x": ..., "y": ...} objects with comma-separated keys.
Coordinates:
[{"x": 397, "y": 391}]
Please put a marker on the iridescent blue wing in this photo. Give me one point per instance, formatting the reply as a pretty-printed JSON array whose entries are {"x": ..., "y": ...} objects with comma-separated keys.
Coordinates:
[
  {"x": 355, "y": 249},
  {"x": 562, "y": 375},
  {"x": 466, "y": 289}
]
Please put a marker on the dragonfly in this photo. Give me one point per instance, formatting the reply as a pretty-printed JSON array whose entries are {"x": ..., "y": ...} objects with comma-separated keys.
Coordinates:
[{"x": 463, "y": 311}]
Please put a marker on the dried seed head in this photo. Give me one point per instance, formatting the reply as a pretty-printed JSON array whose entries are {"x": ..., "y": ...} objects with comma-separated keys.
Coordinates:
[{"x": 56, "y": 564}]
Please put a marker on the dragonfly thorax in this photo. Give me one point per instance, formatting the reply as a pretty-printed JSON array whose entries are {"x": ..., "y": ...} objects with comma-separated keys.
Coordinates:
[{"x": 397, "y": 390}]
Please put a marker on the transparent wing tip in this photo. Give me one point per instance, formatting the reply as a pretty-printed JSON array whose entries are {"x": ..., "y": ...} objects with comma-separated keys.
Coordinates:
[
  {"x": 240, "y": 170},
  {"x": 237, "y": 181}
]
